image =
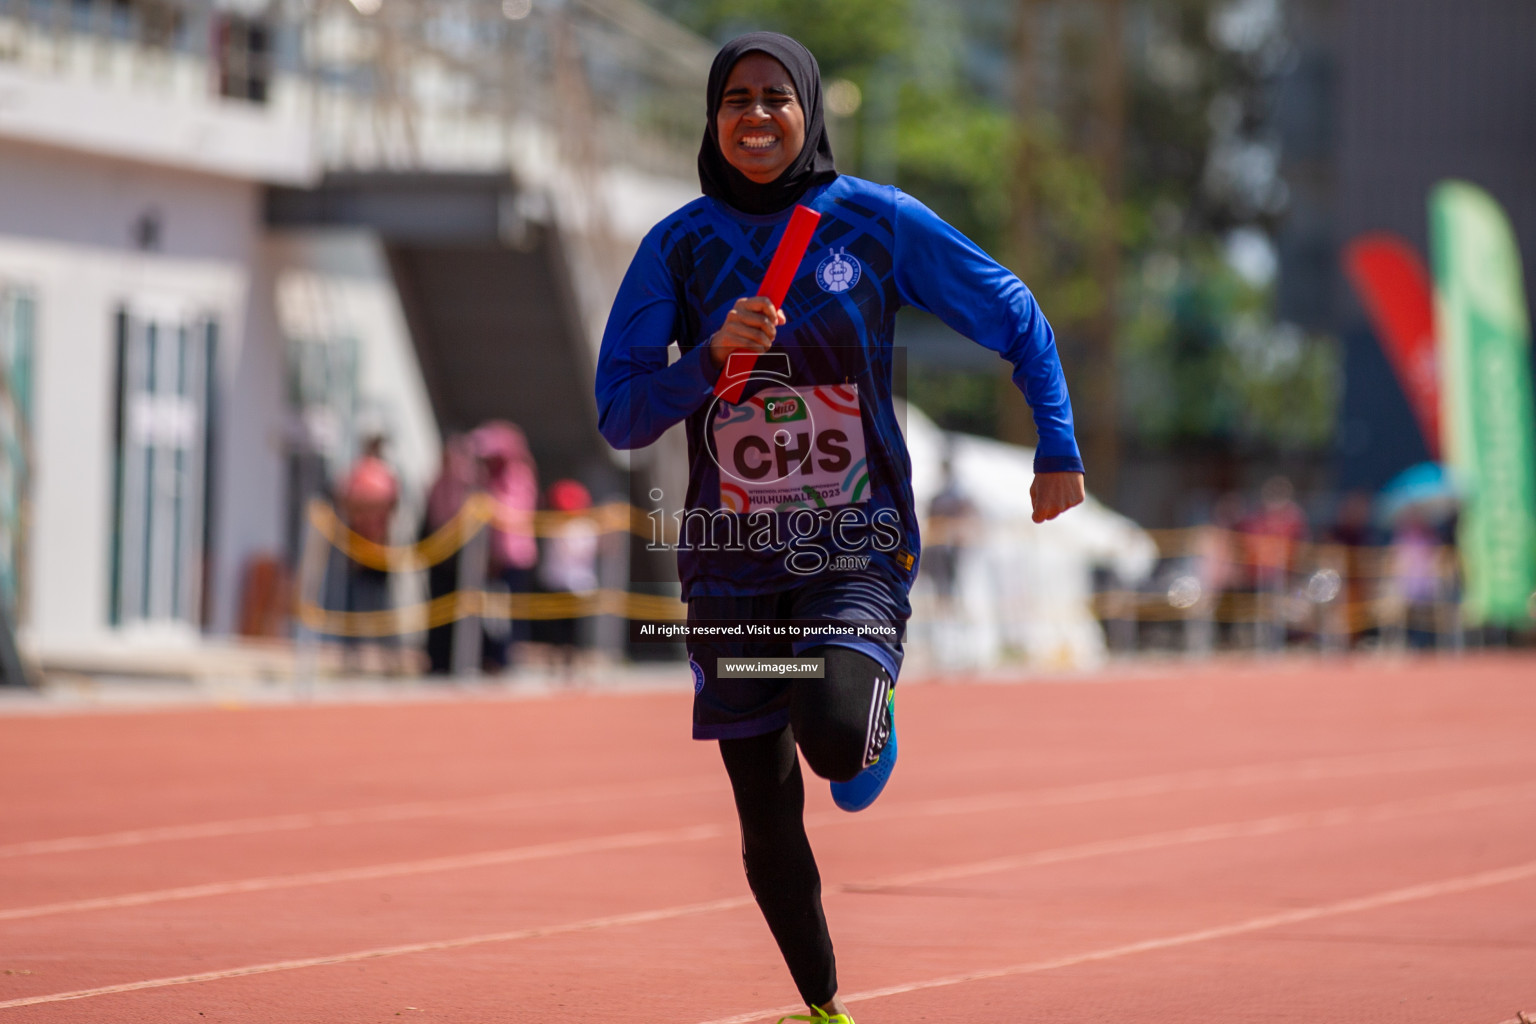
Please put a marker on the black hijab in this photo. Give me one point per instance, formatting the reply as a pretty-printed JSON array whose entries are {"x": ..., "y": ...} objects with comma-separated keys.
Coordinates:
[{"x": 718, "y": 178}]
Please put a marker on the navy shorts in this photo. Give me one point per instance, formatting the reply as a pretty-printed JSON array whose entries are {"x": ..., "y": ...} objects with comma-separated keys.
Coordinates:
[{"x": 733, "y": 708}]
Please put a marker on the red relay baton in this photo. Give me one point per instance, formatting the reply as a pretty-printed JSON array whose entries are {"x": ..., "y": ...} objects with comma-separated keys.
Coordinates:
[{"x": 781, "y": 272}]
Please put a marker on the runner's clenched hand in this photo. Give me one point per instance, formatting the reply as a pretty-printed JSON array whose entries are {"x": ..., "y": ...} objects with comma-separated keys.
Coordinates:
[
  {"x": 749, "y": 327},
  {"x": 1053, "y": 493}
]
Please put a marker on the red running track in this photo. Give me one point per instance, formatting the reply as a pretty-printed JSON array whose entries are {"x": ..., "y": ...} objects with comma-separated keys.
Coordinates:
[{"x": 1319, "y": 841}]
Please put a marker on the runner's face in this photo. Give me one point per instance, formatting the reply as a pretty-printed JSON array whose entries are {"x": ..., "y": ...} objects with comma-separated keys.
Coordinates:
[{"x": 760, "y": 121}]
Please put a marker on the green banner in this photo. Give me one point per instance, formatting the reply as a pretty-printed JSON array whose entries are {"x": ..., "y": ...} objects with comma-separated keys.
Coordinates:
[{"x": 1486, "y": 418}]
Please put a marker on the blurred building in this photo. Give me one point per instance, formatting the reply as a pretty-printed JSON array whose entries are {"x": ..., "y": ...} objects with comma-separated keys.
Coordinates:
[
  {"x": 1384, "y": 99},
  {"x": 238, "y": 235}
]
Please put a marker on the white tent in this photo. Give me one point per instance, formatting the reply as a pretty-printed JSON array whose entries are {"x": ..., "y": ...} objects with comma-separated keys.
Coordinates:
[{"x": 1023, "y": 590}]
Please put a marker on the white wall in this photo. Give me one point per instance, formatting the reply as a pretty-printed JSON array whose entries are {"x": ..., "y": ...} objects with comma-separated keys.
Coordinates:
[
  {"x": 94, "y": 201},
  {"x": 177, "y": 122},
  {"x": 66, "y": 230}
]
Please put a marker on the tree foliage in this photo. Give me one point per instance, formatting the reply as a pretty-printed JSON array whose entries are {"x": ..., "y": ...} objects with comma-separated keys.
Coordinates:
[
  {"x": 848, "y": 38},
  {"x": 1201, "y": 358}
]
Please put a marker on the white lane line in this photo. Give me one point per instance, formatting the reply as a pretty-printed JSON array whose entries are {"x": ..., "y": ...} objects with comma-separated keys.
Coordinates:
[
  {"x": 695, "y": 833},
  {"x": 1371, "y": 814},
  {"x": 1314, "y": 769},
  {"x": 357, "y": 816},
  {"x": 488, "y": 858},
  {"x": 1311, "y": 769},
  {"x": 590, "y": 924},
  {"x": 1392, "y": 897}
]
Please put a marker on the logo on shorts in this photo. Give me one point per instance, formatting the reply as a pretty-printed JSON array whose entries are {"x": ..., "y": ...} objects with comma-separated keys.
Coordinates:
[
  {"x": 838, "y": 272},
  {"x": 698, "y": 676}
]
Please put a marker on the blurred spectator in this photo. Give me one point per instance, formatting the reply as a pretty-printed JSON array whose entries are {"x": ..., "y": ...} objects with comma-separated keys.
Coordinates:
[
  {"x": 1348, "y": 553},
  {"x": 1216, "y": 571},
  {"x": 1216, "y": 557},
  {"x": 1416, "y": 584},
  {"x": 1272, "y": 533},
  {"x": 456, "y": 481},
  {"x": 1271, "y": 536},
  {"x": 567, "y": 565},
  {"x": 1352, "y": 525},
  {"x": 952, "y": 522},
  {"x": 370, "y": 493},
  {"x": 512, "y": 481},
  {"x": 368, "y": 499},
  {"x": 951, "y": 519}
]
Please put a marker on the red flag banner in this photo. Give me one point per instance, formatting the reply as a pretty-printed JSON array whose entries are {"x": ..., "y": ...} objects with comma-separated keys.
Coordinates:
[{"x": 1393, "y": 285}]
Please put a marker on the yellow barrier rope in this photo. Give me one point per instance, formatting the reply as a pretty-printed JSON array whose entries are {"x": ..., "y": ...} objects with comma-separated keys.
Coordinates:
[
  {"x": 444, "y": 543},
  {"x": 461, "y": 604},
  {"x": 477, "y": 510},
  {"x": 1228, "y": 606},
  {"x": 1247, "y": 609},
  {"x": 620, "y": 517}
]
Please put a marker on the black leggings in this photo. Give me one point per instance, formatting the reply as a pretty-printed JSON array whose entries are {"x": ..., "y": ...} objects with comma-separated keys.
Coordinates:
[{"x": 840, "y": 724}]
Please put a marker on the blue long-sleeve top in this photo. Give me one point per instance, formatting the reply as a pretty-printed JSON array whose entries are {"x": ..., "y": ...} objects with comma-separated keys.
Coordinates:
[{"x": 874, "y": 250}]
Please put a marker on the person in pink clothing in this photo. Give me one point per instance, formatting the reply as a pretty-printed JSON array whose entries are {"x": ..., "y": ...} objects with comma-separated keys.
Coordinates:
[
  {"x": 512, "y": 480},
  {"x": 368, "y": 498},
  {"x": 1272, "y": 536},
  {"x": 370, "y": 493}
]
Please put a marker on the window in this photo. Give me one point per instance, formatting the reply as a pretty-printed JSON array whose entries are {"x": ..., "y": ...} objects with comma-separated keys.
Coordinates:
[
  {"x": 244, "y": 53},
  {"x": 17, "y": 340},
  {"x": 164, "y": 378}
]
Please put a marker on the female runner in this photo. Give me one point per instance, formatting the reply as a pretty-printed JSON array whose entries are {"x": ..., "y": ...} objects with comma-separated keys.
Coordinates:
[{"x": 799, "y": 538}]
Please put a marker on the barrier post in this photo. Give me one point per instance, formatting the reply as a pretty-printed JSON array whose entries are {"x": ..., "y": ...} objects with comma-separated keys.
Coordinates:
[
  {"x": 13, "y": 671},
  {"x": 1458, "y": 627},
  {"x": 473, "y": 561},
  {"x": 1449, "y": 628},
  {"x": 1207, "y": 549},
  {"x": 610, "y": 631},
  {"x": 311, "y": 579},
  {"x": 1200, "y": 627},
  {"x": 1125, "y": 625}
]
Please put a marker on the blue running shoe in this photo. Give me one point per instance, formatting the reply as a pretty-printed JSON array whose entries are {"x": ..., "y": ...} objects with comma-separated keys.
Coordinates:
[{"x": 861, "y": 790}]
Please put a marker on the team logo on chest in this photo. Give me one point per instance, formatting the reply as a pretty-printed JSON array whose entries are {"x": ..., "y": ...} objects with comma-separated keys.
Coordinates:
[{"x": 838, "y": 272}]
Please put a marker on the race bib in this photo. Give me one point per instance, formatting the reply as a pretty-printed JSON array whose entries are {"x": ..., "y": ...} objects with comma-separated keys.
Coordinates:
[{"x": 785, "y": 448}]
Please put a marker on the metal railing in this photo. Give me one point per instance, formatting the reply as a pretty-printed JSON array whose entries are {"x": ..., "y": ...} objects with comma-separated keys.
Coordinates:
[
  {"x": 1216, "y": 588},
  {"x": 1213, "y": 589},
  {"x": 399, "y": 84}
]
